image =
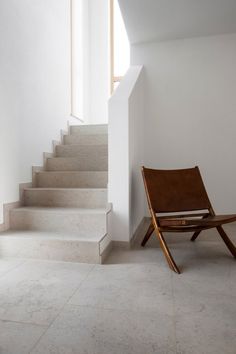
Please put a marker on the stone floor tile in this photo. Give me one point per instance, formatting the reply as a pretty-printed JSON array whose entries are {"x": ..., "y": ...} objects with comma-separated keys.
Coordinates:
[
  {"x": 18, "y": 338},
  {"x": 8, "y": 264},
  {"x": 87, "y": 330},
  {"x": 37, "y": 290},
  {"x": 143, "y": 288}
]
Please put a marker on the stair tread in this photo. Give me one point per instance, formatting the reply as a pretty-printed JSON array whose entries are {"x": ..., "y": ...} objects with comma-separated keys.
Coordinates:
[
  {"x": 74, "y": 171},
  {"x": 89, "y": 146},
  {"x": 91, "y": 134},
  {"x": 82, "y": 237},
  {"x": 64, "y": 210},
  {"x": 90, "y": 125},
  {"x": 63, "y": 189},
  {"x": 89, "y": 129},
  {"x": 77, "y": 158}
]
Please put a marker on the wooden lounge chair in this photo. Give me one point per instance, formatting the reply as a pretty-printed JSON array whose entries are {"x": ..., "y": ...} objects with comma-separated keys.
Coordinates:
[{"x": 171, "y": 192}]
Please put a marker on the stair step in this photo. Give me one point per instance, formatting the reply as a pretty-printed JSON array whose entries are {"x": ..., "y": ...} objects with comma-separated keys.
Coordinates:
[
  {"x": 87, "y": 139},
  {"x": 89, "y": 129},
  {"x": 62, "y": 220},
  {"x": 91, "y": 248},
  {"x": 76, "y": 164},
  {"x": 83, "y": 152},
  {"x": 66, "y": 197},
  {"x": 72, "y": 179}
]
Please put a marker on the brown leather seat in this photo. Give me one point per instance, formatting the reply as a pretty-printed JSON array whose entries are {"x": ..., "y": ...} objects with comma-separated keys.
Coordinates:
[{"x": 172, "y": 192}]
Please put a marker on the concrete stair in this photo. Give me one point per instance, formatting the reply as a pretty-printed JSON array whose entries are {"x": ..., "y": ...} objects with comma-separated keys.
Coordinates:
[
  {"x": 75, "y": 163},
  {"x": 72, "y": 179},
  {"x": 95, "y": 129},
  {"x": 64, "y": 216},
  {"x": 89, "y": 152},
  {"x": 72, "y": 220},
  {"x": 90, "y": 248},
  {"x": 66, "y": 197},
  {"x": 86, "y": 139}
]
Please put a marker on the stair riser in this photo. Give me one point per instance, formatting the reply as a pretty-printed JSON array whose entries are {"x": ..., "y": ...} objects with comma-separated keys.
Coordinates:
[
  {"x": 72, "y": 180},
  {"x": 57, "y": 222},
  {"x": 88, "y": 129},
  {"x": 66, "y": 198},
  {"x": 58, "y": 250},
  {"x": 94, "y": 139},
  {"x": 83, "y": 152},
  {"x": 77, "y": 164}
]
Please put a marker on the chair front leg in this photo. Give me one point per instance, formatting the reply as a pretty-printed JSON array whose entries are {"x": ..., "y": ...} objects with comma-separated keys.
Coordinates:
[
  {"x": 166, "y": 251},
  {"x": 227, "y": 241}
]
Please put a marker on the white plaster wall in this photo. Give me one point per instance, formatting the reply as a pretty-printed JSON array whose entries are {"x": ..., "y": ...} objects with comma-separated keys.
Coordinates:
[
  {"x": 190, "y": 110},
  {"x": 34, "y": 86},
  {"x": 136, "y": 152},
  {"x": 125, "y": 155}
]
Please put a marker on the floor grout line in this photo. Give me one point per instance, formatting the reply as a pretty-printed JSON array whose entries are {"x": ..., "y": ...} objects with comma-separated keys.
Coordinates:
[
  {"x": 62, "y": 308},
  {"x": 17, "y": 266},
  {"x": 23, "y": 322}
]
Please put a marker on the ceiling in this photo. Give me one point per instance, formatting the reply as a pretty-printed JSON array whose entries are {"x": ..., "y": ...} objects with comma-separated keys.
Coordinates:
[{"x": 160, "y": 20}]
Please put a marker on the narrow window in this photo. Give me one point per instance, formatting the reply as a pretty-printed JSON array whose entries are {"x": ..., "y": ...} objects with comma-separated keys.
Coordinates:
[{"x": 120, "y": 48}]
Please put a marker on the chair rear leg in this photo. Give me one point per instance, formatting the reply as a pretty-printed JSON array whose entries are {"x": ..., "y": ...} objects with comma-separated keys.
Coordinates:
[
  {"x": 148, "y": 234},
  {"x": 195, "y": 235},
  {"x": 166, "y": 252},
  {"x": 227, "y": 241}
]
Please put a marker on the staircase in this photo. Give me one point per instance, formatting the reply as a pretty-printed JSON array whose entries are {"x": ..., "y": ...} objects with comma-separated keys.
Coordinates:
[{"x": 64, "y": 215}]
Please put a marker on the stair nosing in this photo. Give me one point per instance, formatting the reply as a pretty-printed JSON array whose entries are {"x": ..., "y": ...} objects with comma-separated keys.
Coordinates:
[
  {"x": 56, "y": 235},
  {"x": 63, "y": 210},
  {"x": 73, "y": 171},
  {"x": 87, "y": 145},
  {"x": 64, "y": 188}
]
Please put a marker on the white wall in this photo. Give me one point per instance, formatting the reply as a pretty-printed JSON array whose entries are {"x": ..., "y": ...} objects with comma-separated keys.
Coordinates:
[
  {"x": 136, "y": 151},
  {"x": 126, "y": 155},
  {"x": 34, "y": 86},
  {"x": 190, "y": 110}
]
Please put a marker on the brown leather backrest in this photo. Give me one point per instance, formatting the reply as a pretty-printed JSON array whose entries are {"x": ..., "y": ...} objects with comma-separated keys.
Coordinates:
[{"x": 175, "y": 190}]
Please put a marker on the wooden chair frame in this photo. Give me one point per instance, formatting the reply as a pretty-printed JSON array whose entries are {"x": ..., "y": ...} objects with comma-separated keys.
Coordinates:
[{"x": 194, "y": 222}]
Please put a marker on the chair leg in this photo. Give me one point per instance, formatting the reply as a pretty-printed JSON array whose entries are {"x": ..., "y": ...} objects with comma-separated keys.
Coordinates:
[
  {"x": 166, "y": 251},
  {"x": 227, "y": 241},
  {"x": 195, "y": 235},
  {"x": 148, "y": 234}
]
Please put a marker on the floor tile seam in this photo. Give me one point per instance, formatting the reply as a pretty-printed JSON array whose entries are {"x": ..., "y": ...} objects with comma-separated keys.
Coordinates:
[
  {"x": 134, "y": 263},
  {"x": 8, "y": 271},
  {"x": 60, "y": 310},
  {"x": 174, "y": 312},
  {"x": 24, "y": 323},
  {"x": 148, "y": 313},
  {"x": 37, "y": 341}
]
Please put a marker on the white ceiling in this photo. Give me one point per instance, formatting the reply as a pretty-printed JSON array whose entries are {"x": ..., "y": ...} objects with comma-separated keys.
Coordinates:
[{"x": 148, "y": 20}]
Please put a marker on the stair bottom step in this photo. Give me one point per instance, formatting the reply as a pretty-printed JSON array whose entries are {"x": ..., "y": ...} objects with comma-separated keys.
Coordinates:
[{"x": 52, "y": 246}]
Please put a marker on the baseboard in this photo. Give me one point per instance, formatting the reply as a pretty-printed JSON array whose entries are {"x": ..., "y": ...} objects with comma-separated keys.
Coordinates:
[
  {"x": 140, "y": 231},
  {"x": 7, "y": 207},
  {"x": 124, "y": 245},
  {"x": 106, "y": 252}
]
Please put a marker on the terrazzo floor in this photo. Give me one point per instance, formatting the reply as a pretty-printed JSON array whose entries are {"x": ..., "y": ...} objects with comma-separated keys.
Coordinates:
[{"x": 133, "y": 304}]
